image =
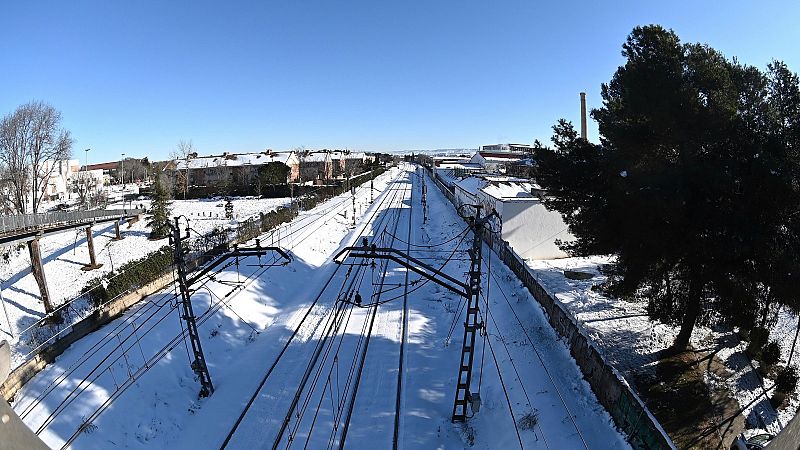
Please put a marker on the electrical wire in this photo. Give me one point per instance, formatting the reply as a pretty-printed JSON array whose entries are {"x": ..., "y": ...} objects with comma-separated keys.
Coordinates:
[{"x": 541, "y": 361}]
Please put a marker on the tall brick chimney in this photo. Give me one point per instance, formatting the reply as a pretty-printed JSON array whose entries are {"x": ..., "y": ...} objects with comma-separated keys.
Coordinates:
[{"x": 583, "y": 115}]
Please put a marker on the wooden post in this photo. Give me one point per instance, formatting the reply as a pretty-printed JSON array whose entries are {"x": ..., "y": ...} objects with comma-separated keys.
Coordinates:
[
  {"x": 118, "y": 236},
  {"x": 38, "y": 274},
  {"x": 92, "y": 258}
]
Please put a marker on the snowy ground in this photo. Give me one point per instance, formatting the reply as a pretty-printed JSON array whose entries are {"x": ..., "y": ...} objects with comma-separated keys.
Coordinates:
[
  {"x": 630, "y": 340},
  {"x": 64, "y": 254},
  {"x": 532, "y": 391}
]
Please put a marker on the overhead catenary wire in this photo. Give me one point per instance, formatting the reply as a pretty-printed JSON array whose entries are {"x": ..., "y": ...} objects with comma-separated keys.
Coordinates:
[
  {"x": 316, "y": 354},
  {"x": 541, "y": 361},
  {"x": 110, "y": 334},
  {"x": 505, "y": 393},
  {"x": 160, "y": 354},
  {"x": 141, "y": 324},
  {"x": 375, "y": 208},
  {"x": 354, "y": 394}
]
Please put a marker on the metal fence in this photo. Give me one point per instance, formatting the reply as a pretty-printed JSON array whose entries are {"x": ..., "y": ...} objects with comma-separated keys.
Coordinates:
[{"x": 23, "y": 222}]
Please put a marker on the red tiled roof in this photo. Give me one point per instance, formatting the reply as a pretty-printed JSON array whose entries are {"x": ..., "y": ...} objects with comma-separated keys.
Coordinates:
[{"x": 104, "y": 166}]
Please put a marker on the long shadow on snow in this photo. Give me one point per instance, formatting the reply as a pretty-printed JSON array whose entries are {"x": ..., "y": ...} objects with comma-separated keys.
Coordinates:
[{"x": 221, "y": 334}]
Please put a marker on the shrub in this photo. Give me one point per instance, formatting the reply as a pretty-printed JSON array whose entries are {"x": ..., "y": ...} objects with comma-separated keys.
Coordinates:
[
  {"x": 758, "y": 337},
  {"x": 129, "y": 276},
  {"x": 529, "y": 420},
  {"x": 787, "y": 380},
  {"x": 771, "y": 354}
]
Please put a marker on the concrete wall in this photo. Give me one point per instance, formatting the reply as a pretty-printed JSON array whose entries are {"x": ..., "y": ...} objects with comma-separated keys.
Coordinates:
[
  {"x": 103, "y": 315},
  {"x": 627, "y": 410},
  {"x": 14, "y": 434},
  {"x": 789, "y": 437}
]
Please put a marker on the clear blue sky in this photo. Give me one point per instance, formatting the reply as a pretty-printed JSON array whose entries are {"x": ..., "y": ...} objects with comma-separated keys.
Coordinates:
[{"x": 136, "y": 77}]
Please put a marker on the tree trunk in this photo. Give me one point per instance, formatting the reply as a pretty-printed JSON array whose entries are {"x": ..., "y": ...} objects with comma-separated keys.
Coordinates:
[{"x": 688, "y": 322}]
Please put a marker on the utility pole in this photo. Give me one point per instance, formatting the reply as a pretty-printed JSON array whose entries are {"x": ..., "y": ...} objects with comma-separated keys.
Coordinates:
[
  {"x": 424, "y": 202},
  {"x": 199, "y": 364},
  {"x": 353, "y": 193},
  {"x": 464, "y": 396},
  {"x": 371, "y": 190}
]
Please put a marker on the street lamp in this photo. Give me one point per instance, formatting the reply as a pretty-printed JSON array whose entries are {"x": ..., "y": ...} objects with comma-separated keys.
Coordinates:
[
  {"x": 86, "y": 178},
  {"x": 123, "y": 171}
]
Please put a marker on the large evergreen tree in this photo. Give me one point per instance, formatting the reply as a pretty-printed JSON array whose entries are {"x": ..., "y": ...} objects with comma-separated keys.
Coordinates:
[
  {"x": 693, "y": 186},
  {"x": 160, "y": 220},
  {"x": 273, "y": 173}
]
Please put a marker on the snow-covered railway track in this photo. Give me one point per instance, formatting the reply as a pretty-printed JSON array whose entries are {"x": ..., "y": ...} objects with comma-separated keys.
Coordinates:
[
  {"x": 316, "y": 327},
  {"x": 144, "y": 335}
]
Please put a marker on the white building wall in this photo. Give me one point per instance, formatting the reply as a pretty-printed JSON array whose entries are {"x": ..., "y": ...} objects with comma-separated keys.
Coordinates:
[{"x": 529, "y": 227}]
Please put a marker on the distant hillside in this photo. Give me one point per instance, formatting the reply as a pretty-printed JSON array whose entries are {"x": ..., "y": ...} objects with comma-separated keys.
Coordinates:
[{"x": 441, "y": 151}]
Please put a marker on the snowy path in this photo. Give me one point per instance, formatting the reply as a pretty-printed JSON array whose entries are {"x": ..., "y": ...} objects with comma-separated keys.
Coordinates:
[{"x": 301, "y": 320}]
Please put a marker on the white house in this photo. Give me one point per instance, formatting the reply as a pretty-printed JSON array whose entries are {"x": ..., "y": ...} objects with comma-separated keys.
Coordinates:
[
  {"x": 57, "y": 185},
  {"x": 529, "y": 227}
]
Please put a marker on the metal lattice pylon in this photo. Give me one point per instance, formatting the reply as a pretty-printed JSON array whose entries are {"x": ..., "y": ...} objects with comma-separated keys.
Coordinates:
[
  {"x": 471, "y": 326},
  {"x": 187, "y": 315}
]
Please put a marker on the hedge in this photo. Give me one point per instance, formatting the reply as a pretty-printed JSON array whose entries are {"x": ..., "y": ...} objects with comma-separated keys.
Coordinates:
[{"x": 129, "y": 276}]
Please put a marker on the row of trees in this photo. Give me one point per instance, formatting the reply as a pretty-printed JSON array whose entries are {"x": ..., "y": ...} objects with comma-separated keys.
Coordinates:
[
  {"x": 694, "y": 186},
  {"x": 31, "y": 143}
]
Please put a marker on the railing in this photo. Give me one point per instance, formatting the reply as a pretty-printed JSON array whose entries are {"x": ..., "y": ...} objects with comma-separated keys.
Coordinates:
[{"x": 23, "y": 222}]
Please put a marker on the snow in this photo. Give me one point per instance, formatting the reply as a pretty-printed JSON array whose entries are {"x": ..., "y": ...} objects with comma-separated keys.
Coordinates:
[
  {"x": 510, "y": 190},
  {"x": 232, "y": 160},
  {"x": 260, "y": 307},
  {"x": 630, "y": 340},
  {"x": 471, "y": 184},
  {"x": 64, "y": 254}
]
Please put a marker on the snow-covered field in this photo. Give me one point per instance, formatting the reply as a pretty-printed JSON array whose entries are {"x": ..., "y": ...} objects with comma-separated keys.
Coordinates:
[
  {"x": 630, "y": 340},
  {"x": 256, "y": 316},
  {"x": 64, "y": 254}
]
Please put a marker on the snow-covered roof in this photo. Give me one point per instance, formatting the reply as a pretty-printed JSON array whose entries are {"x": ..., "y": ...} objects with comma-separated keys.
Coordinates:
[
  {"x": 511, "y": 190},
  {"x": 348, "y": 155},
  {"x": 463, "y": 166},
  {"x": 502, "y": 156},
  {"x": 231, "y": 160},
  {"x": 471, "y": 184},
  {"x": 315, "y": 157},
  {"x": 450, "y": 159}
]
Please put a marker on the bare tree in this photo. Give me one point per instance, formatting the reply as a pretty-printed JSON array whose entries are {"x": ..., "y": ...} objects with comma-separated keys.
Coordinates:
[
  {"x": 134, "y": 169},
  {"x": 301, "y": 153},
  {"x": 83, "y": 183},
  {"x": 182, "y": 154},
  {"x": 13, "y": 156},
  {"x": 6, "y": 203},
  {"x": 31, "y": 142}
]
